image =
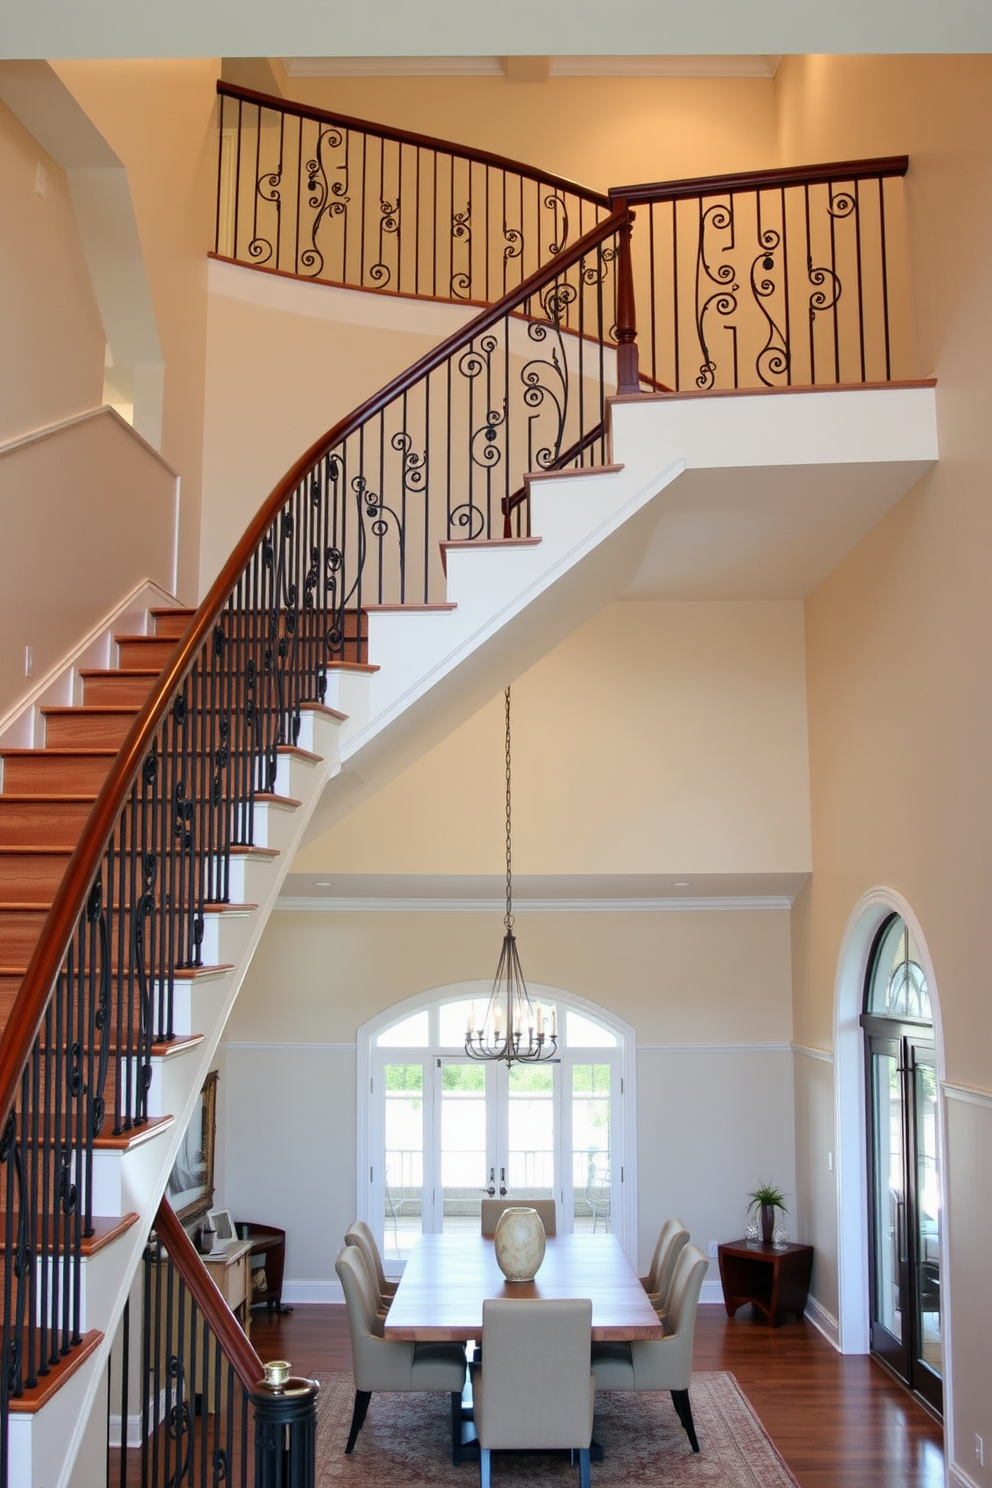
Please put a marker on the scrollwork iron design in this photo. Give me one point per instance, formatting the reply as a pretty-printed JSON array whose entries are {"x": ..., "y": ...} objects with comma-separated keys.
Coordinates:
[
  {"x": 772, "y": 361},
  {"x": 557, "y": 206},
  {"x": 179, "y": 1423},
  {"x": 461, "y": 233},
  {"x": 389, "y": 225},
  {"x": 326, "y": 198},
  {"x": 723, "y": 300}
]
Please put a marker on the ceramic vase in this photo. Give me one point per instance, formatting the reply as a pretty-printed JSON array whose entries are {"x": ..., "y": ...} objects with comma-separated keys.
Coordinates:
[
  {"x": 519, "y": 1242},
  {"x": 767, "y": 1222}
]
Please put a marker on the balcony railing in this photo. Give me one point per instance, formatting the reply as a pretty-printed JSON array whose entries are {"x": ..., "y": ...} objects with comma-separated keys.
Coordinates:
[
  {"x": 346, "y": 201},
  {"x": 780, "y": 278}
]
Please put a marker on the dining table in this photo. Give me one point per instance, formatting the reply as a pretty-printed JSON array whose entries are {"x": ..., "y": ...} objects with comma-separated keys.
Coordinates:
[{"x": 448, "y": 1277}]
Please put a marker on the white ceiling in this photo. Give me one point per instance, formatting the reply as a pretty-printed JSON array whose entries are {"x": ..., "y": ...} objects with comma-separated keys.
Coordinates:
[{"x": 259, "y": 28}]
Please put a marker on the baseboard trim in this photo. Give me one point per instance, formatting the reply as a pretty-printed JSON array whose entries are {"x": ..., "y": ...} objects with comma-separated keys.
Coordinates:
[
  {"x": 824, "y": 1322},
  {"x": 312, "y": 1291},
  {"x": 959, "y": 1477}
]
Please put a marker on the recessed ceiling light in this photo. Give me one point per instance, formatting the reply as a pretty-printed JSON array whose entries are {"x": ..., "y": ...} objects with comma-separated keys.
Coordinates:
[{"x": 682, "y": 883}]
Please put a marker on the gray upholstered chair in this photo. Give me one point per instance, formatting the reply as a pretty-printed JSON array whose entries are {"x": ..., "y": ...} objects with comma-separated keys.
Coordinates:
[
  {"x": 385, "y": 1364},
  {"x": 663, "y": 1363},
  {"x": 493, "y": 1208},
  {"x": 358, "y": 1233},
  {"x": 671, "y": 1240},
  {"x": 534, "y": 1387}
]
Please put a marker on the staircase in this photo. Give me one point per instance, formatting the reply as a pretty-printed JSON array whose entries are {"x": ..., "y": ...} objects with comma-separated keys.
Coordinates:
[{"x": 435, "y": 543}]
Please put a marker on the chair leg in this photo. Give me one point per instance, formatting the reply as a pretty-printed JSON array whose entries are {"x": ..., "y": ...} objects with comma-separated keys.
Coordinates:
[
  {"x": 585, "y": 1479},
  {"x": 485, "y": 1467},
  {"x": 680, "y": 1400},
  {"x": 456, "y": 1427},
  {"x": 362, "y": 1398}
]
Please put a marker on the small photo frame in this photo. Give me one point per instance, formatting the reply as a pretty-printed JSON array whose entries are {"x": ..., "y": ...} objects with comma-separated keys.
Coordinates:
[{"x": 223, "y": 1226}]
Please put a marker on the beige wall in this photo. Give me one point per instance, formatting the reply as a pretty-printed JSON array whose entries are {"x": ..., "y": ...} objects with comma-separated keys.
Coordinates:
[
  {"x": 53, "y": 342},
  {"x": 601, "y": 132},
  {"x": 158, "y": 117},
  {"x": 690, "y": 718},
  {"x": 897, "y": 651},
  {"x": 709, "y": 995}
]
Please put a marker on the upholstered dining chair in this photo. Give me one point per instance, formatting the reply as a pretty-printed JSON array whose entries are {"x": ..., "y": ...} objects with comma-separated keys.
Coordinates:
[
  {"x": 533, "y": 1388},
  {"x": 662, "y": 1363},
  {"x": 671, "y": 1240},
  {"x": 381, "y": 1364},
  {"x": 359, "y": 1234},
  {"x": 493, "y": 1208}
]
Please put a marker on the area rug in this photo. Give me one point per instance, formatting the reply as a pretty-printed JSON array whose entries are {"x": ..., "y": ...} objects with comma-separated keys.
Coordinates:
[{"x": 406, "y": 1440}]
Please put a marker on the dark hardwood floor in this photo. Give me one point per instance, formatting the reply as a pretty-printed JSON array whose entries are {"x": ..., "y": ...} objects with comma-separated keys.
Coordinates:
[{"x": 838, "y": 1421}]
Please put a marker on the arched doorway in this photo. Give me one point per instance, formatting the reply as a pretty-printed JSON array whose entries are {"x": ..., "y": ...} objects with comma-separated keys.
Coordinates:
[
  {"x": 888, "y": 1052},
  {"x": 438, "y": 1130}
]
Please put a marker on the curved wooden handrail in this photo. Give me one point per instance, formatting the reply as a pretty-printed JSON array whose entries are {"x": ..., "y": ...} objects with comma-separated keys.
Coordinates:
[
  {"x": 29, "y": 1007},
  {"x": 764, "y": 180},
  {"x": 233, "y": 1341},
  {"x": 408, "y": 137}
]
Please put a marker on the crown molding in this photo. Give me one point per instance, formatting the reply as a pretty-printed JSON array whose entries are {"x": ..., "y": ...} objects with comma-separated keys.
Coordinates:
[
  {"x": 756, "y": 66},
  {"x": 313, "y": 904}
]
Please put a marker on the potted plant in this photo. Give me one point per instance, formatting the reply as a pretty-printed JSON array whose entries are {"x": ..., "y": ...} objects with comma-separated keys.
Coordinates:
[{"x": 764, "y": 1200}]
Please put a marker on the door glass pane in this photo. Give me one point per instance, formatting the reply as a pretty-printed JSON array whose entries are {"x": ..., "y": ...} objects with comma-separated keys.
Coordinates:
[
  {"x": 463, "y": 1145},
  {"x": 531, "y": 1132},
  {"x": 583, "y": 1033},
  {"x": 453, "y": 1021},
  {"x": 404, "y": 1158},
  {"x": 412, "y": 1033},
  {"x": 928, "y": 1214},
  {"x": 591, "y": 1148},
  {"x": 889, "y": 1196}
]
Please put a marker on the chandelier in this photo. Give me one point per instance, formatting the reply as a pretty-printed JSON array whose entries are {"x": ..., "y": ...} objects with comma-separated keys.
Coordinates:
[{"x": 512, "y": 1028}]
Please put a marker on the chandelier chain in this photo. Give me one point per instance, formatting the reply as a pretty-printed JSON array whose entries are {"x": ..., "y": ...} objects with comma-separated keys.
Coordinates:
[{"x": 508, "y": 921}]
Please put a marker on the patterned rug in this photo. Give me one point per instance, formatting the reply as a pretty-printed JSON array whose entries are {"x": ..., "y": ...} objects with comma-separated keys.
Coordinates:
[{"x": 406, "y": 1440}]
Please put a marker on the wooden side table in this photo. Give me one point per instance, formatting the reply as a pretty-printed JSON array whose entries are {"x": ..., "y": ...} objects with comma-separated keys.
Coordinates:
[
  {"x": 268, "y": 1242},
  {"x": 776, "y": 1281},
  {"x": 229, "y": 1269}
]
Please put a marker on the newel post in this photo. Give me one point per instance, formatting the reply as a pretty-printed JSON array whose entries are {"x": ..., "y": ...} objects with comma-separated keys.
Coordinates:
[
  {"x": 627, "y": 377},
  {"x": 285, "y": 1429}
]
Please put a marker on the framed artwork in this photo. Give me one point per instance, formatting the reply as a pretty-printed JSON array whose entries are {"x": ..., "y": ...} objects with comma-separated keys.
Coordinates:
[{"x": 191, "y": 1182}]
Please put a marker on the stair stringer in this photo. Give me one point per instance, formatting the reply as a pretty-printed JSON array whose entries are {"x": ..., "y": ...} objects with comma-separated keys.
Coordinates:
[
  {"x": 514, "y": 602},
  {"x": 44, "y": 1443}
]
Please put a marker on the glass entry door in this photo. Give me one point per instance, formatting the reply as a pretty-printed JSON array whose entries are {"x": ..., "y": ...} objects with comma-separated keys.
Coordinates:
[{"x": 904, "y": 1170}]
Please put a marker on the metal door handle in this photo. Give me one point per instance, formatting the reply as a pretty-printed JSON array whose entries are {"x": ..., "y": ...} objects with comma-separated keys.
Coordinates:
[
  {"x": 491, "y": 1190},
  {"x": 502, "y": 1183}
]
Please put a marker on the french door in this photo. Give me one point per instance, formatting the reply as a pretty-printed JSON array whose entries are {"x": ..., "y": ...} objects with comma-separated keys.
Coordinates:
[{"x": 448, "y": 1131}]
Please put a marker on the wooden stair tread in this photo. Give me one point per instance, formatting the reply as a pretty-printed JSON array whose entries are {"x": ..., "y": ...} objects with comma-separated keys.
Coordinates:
[
  {"x": 151, "y": 672},
  {"x": 32, "y": 1400},
  {"x": 12, "y": 847},
  {"x": 87, "y": 709},
  {"x": 135, "y": 1137},
  {"x": 293, "y": 751},
  {"x": 271, "y": 799},
  {"x": 248, "y": 849},
  {"x": 105, "y": 1231},
  {"x": 61, "y": 752}
]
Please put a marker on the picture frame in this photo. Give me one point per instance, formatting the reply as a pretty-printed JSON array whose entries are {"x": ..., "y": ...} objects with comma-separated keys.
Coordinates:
[
  {"x": 224, "y": 1231},
  {"x": 191, "y": 1182}
]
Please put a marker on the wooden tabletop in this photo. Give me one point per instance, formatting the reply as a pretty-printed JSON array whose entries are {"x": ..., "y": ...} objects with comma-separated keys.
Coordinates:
[{"x": 448, "y": 1277}]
